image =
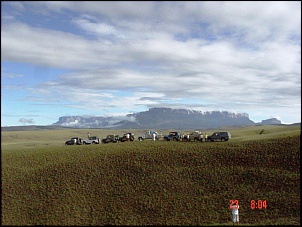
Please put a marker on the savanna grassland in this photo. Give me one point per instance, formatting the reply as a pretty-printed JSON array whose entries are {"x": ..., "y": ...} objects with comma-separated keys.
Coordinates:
[{"x": 45, "y": 182}]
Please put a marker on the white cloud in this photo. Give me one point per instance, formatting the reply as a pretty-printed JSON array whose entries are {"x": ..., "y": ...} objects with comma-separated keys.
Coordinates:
[
  {"x": 26, "y": 121},
  {"x": 229, "y": 55},
  {"x": 11, "y": 75}
]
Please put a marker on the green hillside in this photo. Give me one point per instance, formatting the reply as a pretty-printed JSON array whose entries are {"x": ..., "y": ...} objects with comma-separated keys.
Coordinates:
[
  {"x": 150, "y": 183},
  {"x": 57, "y": 137}
]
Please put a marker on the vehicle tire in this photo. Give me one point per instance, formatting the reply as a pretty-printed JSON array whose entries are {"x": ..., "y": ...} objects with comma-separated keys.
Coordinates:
[
  {"x": 222, "y": 139},
  {"x": 195, "y": 139},
  {"x": 93, "y": 142},
  {"x": 84, "y": 143},
  {"x": 140, "y": 139},
  {"x": 174, "y": 139}
]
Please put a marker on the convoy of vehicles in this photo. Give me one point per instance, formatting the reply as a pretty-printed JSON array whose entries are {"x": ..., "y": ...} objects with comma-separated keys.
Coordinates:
[{"x": 172, "y": 136}]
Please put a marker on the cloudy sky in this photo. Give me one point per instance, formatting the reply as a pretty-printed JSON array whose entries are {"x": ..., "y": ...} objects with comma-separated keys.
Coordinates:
[{"x": 114, "y": 58}]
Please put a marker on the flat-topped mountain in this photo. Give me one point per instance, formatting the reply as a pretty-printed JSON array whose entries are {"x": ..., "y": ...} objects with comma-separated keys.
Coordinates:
[{"x": 160, "y": 118}]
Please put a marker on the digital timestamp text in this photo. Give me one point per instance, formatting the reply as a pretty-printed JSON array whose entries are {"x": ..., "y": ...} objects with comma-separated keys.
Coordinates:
[
  {"x": 255, "y": 204},
  {"x": 259, "y": 204}
]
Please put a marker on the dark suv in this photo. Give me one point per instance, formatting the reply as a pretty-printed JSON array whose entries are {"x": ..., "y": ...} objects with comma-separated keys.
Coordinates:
[
  {"x": 124, "y": 137},
  {"x": 219, "y": 136},
  {"x": 111, "y": 139},
  {"x": 74, "y": 141},
  {"x": 175, "y": 136}
]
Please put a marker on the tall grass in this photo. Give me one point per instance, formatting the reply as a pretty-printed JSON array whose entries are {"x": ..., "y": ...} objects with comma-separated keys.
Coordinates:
[{"x": 152, "y": 183}]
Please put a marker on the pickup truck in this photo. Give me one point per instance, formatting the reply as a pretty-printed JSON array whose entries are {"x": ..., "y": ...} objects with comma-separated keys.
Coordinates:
[
  {"x": 92, "y": 140},
  {"x": 148, "y": 135}
]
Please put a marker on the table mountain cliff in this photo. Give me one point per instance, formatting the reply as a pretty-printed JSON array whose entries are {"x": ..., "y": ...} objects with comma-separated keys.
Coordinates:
[{"x": 160, "y": 118}]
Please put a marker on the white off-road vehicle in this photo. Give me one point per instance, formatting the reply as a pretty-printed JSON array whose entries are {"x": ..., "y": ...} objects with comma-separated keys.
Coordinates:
[
  {"x": 92, "y": 140},
  {"x": 149, "y": 135}
]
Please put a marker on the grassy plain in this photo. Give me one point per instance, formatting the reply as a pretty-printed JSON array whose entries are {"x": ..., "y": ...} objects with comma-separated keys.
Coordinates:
[{"x": 45, "y": 182}]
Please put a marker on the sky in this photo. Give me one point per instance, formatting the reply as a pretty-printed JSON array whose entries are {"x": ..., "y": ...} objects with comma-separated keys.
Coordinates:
[{"x": 107, "y": 58}]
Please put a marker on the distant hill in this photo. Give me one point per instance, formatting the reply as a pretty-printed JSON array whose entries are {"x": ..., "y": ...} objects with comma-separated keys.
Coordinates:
[
  {"x": 31, "y": 128},
  {"x": 271, "y": 121}
]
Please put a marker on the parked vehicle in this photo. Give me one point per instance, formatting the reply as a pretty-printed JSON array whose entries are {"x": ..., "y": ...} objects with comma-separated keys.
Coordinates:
[
  {"x": 92, "y": 140},
  {"x": 174, "y": 136},
  {"x": 74, "y": 141},
  {"x": 219, "y": 136},
  {"x": 124, "y": 137},
  {"x": 111, "y": 139},
  {"x": 148, "y": 135},
  {"x": 193, "y": 136}
]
